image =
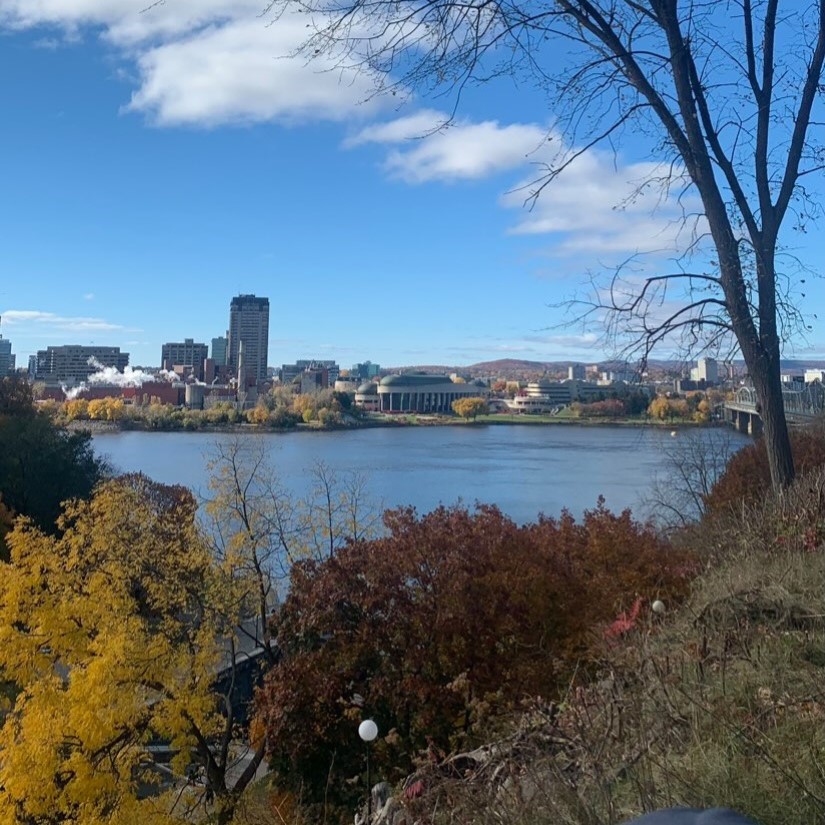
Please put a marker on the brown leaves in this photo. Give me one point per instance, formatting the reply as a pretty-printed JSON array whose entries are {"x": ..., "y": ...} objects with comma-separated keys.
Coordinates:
[
  {"x": 747, "y": 478},
  {"x": 449, "y": 619}
]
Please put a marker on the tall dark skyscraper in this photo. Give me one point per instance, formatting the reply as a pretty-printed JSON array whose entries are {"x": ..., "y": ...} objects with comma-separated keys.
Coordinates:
[{"x": 249, "y": 322}]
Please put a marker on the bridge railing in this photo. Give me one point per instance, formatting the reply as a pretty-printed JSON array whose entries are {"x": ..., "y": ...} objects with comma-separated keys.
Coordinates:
[{"x": 805, "y": 401}]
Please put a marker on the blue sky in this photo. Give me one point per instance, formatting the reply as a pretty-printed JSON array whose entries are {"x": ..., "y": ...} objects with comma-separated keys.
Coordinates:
[{"x": 155, "y": 163}]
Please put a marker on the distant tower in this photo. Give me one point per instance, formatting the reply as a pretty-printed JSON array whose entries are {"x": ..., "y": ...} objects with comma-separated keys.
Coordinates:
[
  {"x": 241, "y": 374},
  {"x": 248, "y": 322},
  {"x": 219, "y": 346},
  {"x": 7, "y": 358},
  {"x": 708, "y": 370}
]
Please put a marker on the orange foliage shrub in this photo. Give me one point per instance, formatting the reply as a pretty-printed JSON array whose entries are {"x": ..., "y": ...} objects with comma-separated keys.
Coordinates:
[
  {"x": 448, "y": 619},
  {"x": 747, "y": 478}
]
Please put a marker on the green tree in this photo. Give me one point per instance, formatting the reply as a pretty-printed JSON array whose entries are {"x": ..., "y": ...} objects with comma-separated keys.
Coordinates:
[
  {"x": 16, "y": 397},
  {"x": 725, "y": 91},
  {"x": 42, "y": 465}
]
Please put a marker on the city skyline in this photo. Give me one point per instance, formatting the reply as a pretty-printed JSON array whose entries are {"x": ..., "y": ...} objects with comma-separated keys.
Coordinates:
[{"x": 146, "y": 182}]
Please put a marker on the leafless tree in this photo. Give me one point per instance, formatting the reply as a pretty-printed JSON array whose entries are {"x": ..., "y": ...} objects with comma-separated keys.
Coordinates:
[
  {"x": 690, "y": 466},
  {"x": 258, "y": 527},
  {"x": 728, "y": 90}
]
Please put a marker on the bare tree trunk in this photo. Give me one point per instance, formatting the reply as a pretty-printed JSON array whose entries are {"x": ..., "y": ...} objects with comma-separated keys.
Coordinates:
[{"x": 768, "y": 384}]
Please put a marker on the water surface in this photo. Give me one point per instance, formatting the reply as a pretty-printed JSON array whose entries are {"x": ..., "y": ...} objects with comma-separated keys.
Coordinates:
[{"x": 524, "y": 469}]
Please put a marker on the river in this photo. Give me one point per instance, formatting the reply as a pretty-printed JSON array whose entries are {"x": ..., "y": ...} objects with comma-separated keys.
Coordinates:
[{"x": 525, "y": 470}]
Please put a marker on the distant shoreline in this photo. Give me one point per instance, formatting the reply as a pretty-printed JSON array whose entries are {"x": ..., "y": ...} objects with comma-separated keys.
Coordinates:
[{"x": 399, "y": 420}]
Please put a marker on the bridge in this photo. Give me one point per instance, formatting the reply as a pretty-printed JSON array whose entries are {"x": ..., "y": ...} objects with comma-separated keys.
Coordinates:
[{"x": 803, "y": 402}]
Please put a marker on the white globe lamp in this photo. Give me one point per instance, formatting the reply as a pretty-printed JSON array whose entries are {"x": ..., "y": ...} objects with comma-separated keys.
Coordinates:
[{"x": 368, "y": 730}]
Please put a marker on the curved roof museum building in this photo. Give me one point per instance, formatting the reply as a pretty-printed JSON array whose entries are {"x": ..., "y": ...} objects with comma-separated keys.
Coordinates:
[{"x": 420, "y": 393}]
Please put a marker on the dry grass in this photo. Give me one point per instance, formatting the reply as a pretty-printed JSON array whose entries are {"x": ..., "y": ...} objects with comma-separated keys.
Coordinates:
[{"x": 721, "y": 703}]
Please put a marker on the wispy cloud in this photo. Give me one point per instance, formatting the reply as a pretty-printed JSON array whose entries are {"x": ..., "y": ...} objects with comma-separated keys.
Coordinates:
[
  {"x": 432, "y": 149},
  {"x": 600, "y": 205},
  {"x": 534, "y": 347},
  {"x": 597, "y": 205},
  {"x": 38, "y": 320}
]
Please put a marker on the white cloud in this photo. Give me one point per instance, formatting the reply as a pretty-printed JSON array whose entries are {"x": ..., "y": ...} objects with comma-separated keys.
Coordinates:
[
  {"x": 36, "y": 319},
  {"x": 125, "y": 21},
  {"x": 414, "y": 126},
  {"x": 598, "y": 205},
  {"x": 438, "y": 150},
  {"x": 212, "y": 62},
  {"x": 237, "y": 72},
  {"x": 208, "y": 62}
]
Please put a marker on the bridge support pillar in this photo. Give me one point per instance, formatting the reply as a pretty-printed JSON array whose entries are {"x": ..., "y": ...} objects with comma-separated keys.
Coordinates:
[{"x": 754, "y": 425}]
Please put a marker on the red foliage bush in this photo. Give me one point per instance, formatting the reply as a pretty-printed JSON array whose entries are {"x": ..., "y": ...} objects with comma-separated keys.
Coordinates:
[
  {"x": 610, "y": 408},
  {"x": 747, "y": 478},
  {"x": 448, "y": 619}
]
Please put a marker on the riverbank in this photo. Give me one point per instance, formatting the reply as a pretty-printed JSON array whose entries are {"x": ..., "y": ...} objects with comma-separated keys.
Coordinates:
[{"x": 373, "y": 420}]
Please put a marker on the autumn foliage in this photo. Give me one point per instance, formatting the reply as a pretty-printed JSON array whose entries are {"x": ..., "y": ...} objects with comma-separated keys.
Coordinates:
[
  {"x": 470, "y": 407},
  {"x": 450, "y": 619},
  {"x": 105, "y": 636},
  {"x": 747, "y": 477}
]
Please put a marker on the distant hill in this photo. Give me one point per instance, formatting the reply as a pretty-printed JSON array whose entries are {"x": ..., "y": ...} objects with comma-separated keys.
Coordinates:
[{"x": 518, "y": 368}]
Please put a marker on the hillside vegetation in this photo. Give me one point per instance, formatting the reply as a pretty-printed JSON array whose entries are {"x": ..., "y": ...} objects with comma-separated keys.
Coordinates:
[{"x": 721, "y": 701}]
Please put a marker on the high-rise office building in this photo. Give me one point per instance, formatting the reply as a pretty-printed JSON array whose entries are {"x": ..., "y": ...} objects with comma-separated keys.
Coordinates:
[
  {"x": 249, "y": 323},
  {"x": 7, "y": 358},
  {"x": 76, "y": 363},
  {"x": 707, "y": 370},
  {"x": 365, "y": 371},
  {"x": 185, "y": 354},
  {"x": 219, "y": 348}
]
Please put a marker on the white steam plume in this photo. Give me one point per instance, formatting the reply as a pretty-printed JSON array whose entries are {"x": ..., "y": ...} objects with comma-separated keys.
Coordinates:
[{"x": 110, "y": 376}]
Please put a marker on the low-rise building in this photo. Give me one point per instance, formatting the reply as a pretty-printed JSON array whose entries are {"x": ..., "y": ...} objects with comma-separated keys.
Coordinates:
[
  {"x": 349, "y": 385},
  {"x": 815, "y": 375},
  {"x": 366, "y": 396},
  {"x": 289, "y": 372},
  {"x": 365, "y": 371},
  {"x": 423, "y": 393}
]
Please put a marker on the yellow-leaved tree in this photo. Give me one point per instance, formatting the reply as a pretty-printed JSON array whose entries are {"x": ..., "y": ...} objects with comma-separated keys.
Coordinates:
[
  {"x": 134, "y": 633},
  {"x": 106, "y": 409},
  {"x": 470, "y": 407},
  {"x": 113, "y": 635}
]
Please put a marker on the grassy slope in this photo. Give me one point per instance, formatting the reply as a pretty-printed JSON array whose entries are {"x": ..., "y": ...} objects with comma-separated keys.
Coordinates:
[{"x": 721, "y": 702}]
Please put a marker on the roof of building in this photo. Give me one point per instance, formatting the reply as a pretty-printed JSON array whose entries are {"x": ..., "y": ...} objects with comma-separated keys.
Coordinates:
[
  {"x": 411, "y": 379},
  {"x": 367, "y": 388}
]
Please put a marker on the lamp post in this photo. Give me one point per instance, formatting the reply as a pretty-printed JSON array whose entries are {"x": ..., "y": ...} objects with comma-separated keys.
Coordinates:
[{"x": 368, "y": 730}]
